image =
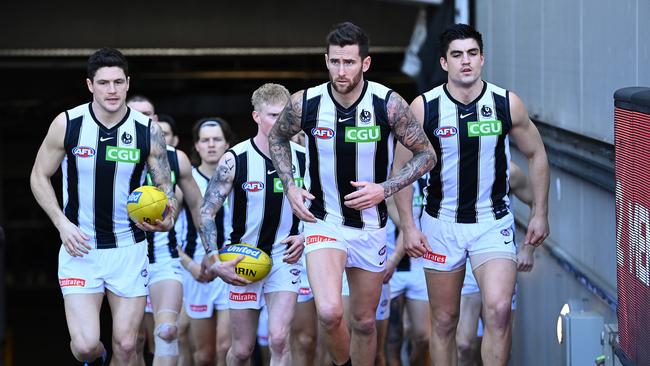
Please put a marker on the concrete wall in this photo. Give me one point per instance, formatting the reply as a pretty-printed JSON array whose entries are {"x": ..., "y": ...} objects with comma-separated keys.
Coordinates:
[{"x": 565, "y": 59}]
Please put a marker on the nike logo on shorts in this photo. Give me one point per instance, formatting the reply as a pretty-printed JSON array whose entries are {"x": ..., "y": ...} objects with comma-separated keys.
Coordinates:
[{"x": 507, "y": 242}]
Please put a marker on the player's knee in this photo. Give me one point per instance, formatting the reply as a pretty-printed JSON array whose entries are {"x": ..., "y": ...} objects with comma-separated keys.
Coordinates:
[
  {"x": 240, "y": 351},
  {"x": 304, "y": 340},
  {"x": 497, "y": 314},
  {"x": 166, "y": 340},
  {"x": 204, "y": 356},
  {"x": 420, "y": 339},
  {"x": 124, "y": 348},
  {"x": 364, "y": 326},
  {"x": 85, "y": 350},
  {"x": 330, "y": 316},
  {"x": 464, "y": 347},
  {"x": 445, "y": 323},
  {"x": 223, "y": 344},
  {"x": 278, "y": 343}
]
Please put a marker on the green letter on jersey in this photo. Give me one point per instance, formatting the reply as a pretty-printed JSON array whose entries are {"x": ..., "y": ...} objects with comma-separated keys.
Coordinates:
[
  {"x": 484, "y": 128},
  {"x": 362, "y": 134},
  {"x": 122, "y": 154},
  {"x": 279, "y": 188}
]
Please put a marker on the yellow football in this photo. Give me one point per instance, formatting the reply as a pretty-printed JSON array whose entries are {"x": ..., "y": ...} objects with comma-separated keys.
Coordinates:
[
  {"x": 255, "y": 265},
  {"x": 147, "y": 204}
]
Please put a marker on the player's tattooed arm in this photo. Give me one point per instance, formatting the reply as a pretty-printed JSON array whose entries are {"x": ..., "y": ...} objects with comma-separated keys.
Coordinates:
[
  {"x": 287, "y": 125},
  {"x": 158, "y": 165},
  {"x": 410, "y": 134},
  {"x": 218, "y": 190}
]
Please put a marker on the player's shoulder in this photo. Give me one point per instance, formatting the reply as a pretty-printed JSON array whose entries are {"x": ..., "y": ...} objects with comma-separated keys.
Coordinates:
[
  {"x": 241, "y": 147},
  {"x": 432, "y": 93},
  {"x": 380, "y": 90},
  {"x": 140, "y": 118},
  {"x": 315, "y": 91}
]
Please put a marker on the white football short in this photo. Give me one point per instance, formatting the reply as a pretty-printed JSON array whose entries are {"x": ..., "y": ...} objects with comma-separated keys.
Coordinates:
[
  {"x": 452, "y": 242},
  {"x": 123, "y": 271},
  {"x": 201, "y": 299},
  {"x": 366, "y": 248},
  {"x": 282, "y": 277},
  {"x": 304, "y": 292},
  {"x": 412, "y": 284}
]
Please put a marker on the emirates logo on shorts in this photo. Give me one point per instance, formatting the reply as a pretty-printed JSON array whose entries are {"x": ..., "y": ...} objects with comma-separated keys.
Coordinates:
[
  {"x": 313, "y": 239},
  {"x": 246, "y": 296},
  {"x": 72, "y": 282},
  {"x": 304, "y": 291},
  {"x": 435, "y": 257},
  {"x": 199, "y": 308}
]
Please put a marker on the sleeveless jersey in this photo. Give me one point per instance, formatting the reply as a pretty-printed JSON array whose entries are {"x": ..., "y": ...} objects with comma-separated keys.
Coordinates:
[
  {"x": 162, "y": 245},
  {"x": 470, "y": 182},
  {"x": 343, "y": 145},
  {"x": 261, "y": 213},
  {"x": 193, "y": 245},
  {"x": 100, "y": 169}
]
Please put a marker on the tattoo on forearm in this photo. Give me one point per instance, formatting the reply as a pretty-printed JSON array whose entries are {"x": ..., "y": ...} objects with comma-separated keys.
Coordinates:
[
  {"x": 287, "y": 125},
  {"x": 158, "y": 166},
  {"x": 216, "y": 193},
  {"x": 410, "y": 134}
]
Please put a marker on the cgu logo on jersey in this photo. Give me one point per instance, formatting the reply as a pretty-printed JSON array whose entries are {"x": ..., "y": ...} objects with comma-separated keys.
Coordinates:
[
  {"x": 322, "y": 133},
  {"x": 484, "y": 128},
  {"x": 445, "y": 131},
  {"x": 83, "y": 152},
  {"x": 362, "y": 134},
  {"x": 122, "y": 154},
  {"x": 150, "y": 180},
  {"x": 418, "y": 200},
  {"x": 253, "y": 186},
  {"x": 278, "y": 187}
]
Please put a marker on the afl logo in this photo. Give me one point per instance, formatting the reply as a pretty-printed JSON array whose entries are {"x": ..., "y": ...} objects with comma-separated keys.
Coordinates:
[
  {"x": 253, "y": 186},
  {"x": 322, "y": 133},
  {"x": 83, "y": 151},
  {"x": 445, "y": 131}
]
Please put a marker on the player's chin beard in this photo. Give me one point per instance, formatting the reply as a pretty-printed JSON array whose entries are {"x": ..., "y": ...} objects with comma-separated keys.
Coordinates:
[{"x": 353, "y": 84}]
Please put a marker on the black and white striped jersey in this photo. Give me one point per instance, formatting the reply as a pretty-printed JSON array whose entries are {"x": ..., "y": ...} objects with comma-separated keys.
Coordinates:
[
  {"x": 192, "y": 241},
  {"x": 162, "y": 245},
  {"x": 469, "y": 183},
  {"x": 100, "y": 169},
  {"x": 343, "y": 145},
  {"x": 261, "y": 213}
]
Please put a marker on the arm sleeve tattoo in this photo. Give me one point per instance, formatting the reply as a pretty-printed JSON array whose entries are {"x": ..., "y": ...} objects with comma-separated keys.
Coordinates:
[
  {"x": 287, "y": 125},
  {"x": 159, "y": 165},
  {"x": 409, "y": 132},
  {"x": 216, "y": 193}
]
